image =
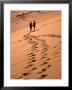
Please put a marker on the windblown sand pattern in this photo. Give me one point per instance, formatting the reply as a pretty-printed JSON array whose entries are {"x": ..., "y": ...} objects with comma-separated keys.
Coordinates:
[{"x": 36, "y": 54}]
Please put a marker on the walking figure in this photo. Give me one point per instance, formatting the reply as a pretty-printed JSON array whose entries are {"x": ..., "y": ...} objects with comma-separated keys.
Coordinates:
[
  {"x": 38, "y": 11},
  {"x": 30, "y": 25},
  {"x": 34, "y": 25}
]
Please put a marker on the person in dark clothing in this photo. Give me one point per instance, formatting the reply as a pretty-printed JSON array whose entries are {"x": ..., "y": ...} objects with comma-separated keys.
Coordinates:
[
  {"x": 30, "y": 25},
  {"x": 34, "y": 25},
  {"x": 38, "y": 11}
]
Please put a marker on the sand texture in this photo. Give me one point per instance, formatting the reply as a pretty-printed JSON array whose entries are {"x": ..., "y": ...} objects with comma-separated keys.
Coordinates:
[{"x": 36, "y": 54}]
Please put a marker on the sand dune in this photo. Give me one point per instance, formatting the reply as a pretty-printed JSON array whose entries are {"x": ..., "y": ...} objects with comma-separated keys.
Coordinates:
[{"x": 36, "y": 54}]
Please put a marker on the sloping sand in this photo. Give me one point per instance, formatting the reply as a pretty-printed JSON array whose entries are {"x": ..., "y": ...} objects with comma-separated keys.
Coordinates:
[{"x": 36, "y": 54}]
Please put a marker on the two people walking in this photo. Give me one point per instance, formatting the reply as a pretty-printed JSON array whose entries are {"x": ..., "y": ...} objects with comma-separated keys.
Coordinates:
[{"x": 32, "y": 25}]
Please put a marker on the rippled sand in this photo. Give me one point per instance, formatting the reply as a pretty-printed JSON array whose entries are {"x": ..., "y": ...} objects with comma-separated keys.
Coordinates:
[{"x": 36, "y": 54}]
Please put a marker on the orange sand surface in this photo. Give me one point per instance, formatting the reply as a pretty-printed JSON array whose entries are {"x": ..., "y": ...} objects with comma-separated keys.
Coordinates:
[{"x": 36, "y": 54}]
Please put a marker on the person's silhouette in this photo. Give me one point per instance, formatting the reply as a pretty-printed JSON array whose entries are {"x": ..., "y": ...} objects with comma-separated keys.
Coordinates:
[
  {"x": 30, "y": 25},
  {"x": 38, "y": 11},
  {"x": 34, "y": 25}
]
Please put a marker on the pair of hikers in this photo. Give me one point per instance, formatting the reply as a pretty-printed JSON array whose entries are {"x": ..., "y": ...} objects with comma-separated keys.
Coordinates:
[{"x": 32, "y": 25}]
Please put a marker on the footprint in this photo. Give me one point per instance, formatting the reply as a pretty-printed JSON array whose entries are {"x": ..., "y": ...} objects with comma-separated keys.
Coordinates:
[
  {"x": 49, "y": 65},
  {"x": 25, "y": 74},
  {"x": 35, "y": 47},
  {"x": 48, "y": 59},
  {"x": 33, "y": 69},
  {"x": 33, "y": 60},
  {"x": 30, "y": 39},
  {"x": 43, "y": 63},
  {"x": 33, "y": 55},
  {"x": 45, "y": 54},
  {"x": 29, "y": 62},
  {"x": 43, "y": 76},
  {"x": 30, "y": 59},
  {"x": 37, "y": 50},
  {"x": 30, "y": 54},
  {"x": 43, "y": 69},
  {"x": 46, "y": 50},
  {"x": 30, "y": 65},
  {"x": 27, "y": 67},
  {"x": 43, "y": 57},
  {"x": 39, "y": 72}
]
